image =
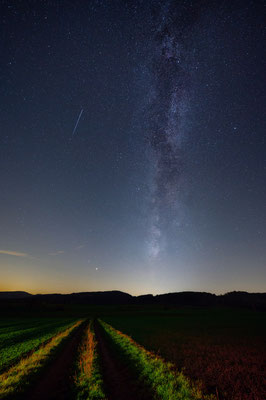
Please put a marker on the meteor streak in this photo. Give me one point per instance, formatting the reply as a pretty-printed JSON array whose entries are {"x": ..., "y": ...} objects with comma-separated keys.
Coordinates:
[{"x": 74, "y": 130}]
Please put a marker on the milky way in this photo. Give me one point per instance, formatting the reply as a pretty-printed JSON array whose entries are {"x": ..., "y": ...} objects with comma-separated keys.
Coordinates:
[{"x": 168, "y": 102}]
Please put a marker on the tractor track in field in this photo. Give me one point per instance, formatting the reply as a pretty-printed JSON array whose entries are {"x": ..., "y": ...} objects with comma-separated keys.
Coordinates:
[
  {"x": 55, "y": 382},
  {"x": 120, "y": 382}
]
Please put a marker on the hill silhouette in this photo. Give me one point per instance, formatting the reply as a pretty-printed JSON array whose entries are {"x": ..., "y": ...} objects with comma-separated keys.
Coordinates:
[
  {"x": 14, "y": 295},
  {"x": 115, "y": 297}
]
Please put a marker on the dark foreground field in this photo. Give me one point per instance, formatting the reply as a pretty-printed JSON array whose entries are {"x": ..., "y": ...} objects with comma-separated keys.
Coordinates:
[
  {"x": 73, "y": 354},
  {"x": 223, "y": 349}
]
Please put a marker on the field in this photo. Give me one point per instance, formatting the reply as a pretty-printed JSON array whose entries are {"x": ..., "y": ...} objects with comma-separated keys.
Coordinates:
[
  {"x": 223, "y": 349},
  {"x": 18, "y": 337},
  {"x": 132, "y": 352},
  {"x": 25, "y": 349}
]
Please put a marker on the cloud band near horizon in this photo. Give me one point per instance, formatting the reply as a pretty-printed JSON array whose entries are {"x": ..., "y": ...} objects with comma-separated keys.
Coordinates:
[{"x": 14, "y": 253}]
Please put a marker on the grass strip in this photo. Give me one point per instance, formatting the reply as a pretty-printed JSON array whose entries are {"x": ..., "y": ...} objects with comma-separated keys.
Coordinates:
[
  {"x": 10, "y": 337},
  {"x": 12, "y": 349},
  {"x": 18, "y": 377},
  {"x": 163, "y": 378},
  {"x": 88, "y": 378}
]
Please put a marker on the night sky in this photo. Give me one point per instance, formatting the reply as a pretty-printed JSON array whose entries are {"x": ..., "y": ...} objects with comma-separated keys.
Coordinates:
[{"x": 132, "y": 146}]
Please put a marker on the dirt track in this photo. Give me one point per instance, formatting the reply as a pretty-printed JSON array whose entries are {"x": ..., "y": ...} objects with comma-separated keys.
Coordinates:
[
  {"x": 55, "y": 383},
  {"x": 119, "y": 380}
]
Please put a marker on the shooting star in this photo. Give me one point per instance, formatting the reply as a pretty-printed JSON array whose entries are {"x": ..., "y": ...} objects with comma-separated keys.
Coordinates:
[{"x": 80, "y": 114}]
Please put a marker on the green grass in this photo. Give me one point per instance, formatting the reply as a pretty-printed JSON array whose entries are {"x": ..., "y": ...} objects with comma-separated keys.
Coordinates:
[
  {"x": 164, "y": 380},
  {"x": 18, "y": 377},
  {"x": 16, "y": 340},
  {"x": 13, "y": 334},
  {"x": 88, "y": 378}
]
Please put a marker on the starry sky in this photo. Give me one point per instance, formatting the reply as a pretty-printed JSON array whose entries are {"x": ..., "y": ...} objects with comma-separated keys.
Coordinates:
[{"x": 132, "y": 146}]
